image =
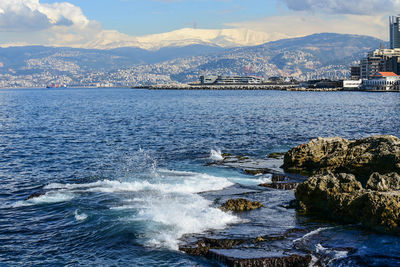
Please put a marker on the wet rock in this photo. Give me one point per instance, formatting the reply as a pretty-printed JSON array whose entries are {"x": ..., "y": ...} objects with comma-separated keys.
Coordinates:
[
  {"x": 388, "y": 182},
  {"x": 35, "y": 195},
  {"x": 241, "y": 204},
  {"x": 277, "y": 155},
  {"x": 214, "y": 249},
  {"x": 281, "y": 186},
  {"x": 257, "y": 171},
  {"x": 277, "y": 237},
  {"x": 286, "y": 261},
  {"x": 280, "y": 177},
  {"x": 361, "y": 157},
  {"x": 203, "y": 246},
  {"x": 342, "y": 197}
]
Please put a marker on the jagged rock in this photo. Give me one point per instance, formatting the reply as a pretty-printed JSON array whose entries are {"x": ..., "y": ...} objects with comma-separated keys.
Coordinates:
[
  {"x": 361, "y": 157},
  {"x": 204, "y": 245},
  {"x": 277, "y": 155},
  {"x": 342, "y": 197},
  {"x": 257, "y": 171},
  {"x": 281, "y": 186},
  {"x": 285, "y": 261},
  {"x": 389, "y": 182},
  {"x": 208, "y": 247},
  {"x": 241, "y": 204}
]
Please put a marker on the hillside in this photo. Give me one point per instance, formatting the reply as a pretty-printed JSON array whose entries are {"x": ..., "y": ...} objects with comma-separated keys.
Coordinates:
[{"x": 319, "y": 55}]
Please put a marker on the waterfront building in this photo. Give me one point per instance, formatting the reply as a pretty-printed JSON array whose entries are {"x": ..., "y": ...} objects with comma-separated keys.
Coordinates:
[
  {"x": 380, "y": 60},
  {"x": 352, "y": 84},
  {"x": 382, "y": 81},
  {"x": 230, "y": 80},
  {"x": 394, "y": 22}
]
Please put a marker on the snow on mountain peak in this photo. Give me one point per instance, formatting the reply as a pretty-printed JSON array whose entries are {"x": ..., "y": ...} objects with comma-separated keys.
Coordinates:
[{"x": 183, "y": 37}]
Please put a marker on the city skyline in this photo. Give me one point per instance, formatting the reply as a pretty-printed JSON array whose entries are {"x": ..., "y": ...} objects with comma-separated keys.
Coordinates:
[{"x": 81, "y": 23}]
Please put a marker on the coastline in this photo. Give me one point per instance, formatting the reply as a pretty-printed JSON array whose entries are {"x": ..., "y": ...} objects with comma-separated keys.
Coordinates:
[{"x": 253, "y": 87}]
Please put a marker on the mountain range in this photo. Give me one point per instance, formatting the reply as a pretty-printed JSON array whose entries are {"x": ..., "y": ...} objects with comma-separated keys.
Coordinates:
[
  {"x": 226, "y": 38},
  {"x": 320, "y": 55}
]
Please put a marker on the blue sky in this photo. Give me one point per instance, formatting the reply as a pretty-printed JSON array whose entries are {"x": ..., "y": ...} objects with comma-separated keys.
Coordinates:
[
  {"x": 78, "y": 23},
  {"x": 141, "y": 17}
]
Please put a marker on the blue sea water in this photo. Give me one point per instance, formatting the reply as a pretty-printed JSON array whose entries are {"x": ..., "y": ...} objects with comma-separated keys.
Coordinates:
[{"x": 121, "y": 172}]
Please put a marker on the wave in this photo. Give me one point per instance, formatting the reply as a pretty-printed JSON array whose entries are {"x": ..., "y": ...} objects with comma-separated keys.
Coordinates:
[
  {"x": 47, "y": 198},
  {"x": 167, "y": 207},
  {"x": 319, "y": 252}
]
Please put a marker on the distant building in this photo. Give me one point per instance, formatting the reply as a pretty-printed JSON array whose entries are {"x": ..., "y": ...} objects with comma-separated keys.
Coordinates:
[
  {"x": 352, "y": 84},
  {"x": 355, "y": 73},
  {"x": 324, "y": 83},
  {"x": 394, "y": 22},
  {"x": 230, "y": 80},
  {"x": 382, "y": 81},
  {"x": 380, "y": 60}
]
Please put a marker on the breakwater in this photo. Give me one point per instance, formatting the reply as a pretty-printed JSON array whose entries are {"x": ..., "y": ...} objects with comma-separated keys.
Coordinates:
[{"x": 281, "y": 87}]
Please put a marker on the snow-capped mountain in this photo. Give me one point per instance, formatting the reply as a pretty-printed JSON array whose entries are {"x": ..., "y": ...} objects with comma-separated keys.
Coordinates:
[{"x": 223, "y": 38}]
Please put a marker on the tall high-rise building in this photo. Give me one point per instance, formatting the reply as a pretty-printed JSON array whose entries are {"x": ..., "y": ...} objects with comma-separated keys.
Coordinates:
[{"x": 394, "y": 22}]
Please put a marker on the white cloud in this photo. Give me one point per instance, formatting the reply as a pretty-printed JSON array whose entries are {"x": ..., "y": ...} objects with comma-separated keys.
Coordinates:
[
  {"x": 300, "y": 24},
  {"x": 31, "y": 15},
  {"x": 344, "y": 6},
  {"x": 57, "y": 24}
]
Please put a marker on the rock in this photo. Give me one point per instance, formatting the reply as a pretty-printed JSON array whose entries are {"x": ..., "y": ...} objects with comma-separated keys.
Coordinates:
[
  {"x": 203, "y": 246},
  {"x": 389, "y": 182},
  {"x": 281, "y": 186},
  {"x": 361, "y": 157},
  {"x": 342, "y": 197},
  {"x": 211, "y": 248},
  {"x": 277, "y": 155},
  {"x": 255, "y": 171},
  {"x": 285, "y": 261},
  {"x": 36, "y": 195},
  {"x": 241, "y": 204}
]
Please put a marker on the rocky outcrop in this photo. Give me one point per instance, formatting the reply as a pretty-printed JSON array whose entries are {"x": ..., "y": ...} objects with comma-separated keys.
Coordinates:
[
  {"x": 240, "y": 204},
  {"x": 287, "y": 261},
  {"x": 342, "y": 197},
  {"x": 281, "y": 186},
  {"x": 215, "y": 249},
  {"x": 361, "y": 157},
  {"x": 353, "y": 181},
  {"x": 384, "y": 183}
]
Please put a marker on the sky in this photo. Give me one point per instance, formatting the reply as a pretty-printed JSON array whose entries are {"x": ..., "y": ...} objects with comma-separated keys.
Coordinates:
[{"x": 77, "y": 22}]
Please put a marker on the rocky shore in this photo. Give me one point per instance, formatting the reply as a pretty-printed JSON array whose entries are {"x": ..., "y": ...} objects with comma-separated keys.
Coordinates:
[
  {"x": 312, "y": 186},
  {"x": 352, "y": 181}
]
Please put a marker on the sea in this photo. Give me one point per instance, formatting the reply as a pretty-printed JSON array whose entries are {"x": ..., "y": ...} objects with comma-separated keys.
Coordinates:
[{"x": 121, "y": 177}]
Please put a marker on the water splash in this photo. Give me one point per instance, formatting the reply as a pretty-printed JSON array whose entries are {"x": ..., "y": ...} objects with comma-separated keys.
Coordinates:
[
  {"x": 166, "y": 208},
  {"x": 80, "y": 217},
  {"x": 216, "y": 155}
]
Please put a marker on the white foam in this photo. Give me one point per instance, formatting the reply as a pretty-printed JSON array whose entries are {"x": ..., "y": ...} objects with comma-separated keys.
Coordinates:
[
  {"x": 48, "y": 198},
  {"x": 80, "y": 217},
  {"x": 179, "y": 215},
  {"x": 188, "y": 184},
  {"x": 310, "y": 234},
  {"x": 216, "y": 155},
  {"x": 168, "y": 206},
  {"x": 331, "y": 254},
  {"x": 252, "y": 181}
]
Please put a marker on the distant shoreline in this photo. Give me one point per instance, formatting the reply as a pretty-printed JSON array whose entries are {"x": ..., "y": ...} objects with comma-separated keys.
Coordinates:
[{"x": 255, "y": 87}]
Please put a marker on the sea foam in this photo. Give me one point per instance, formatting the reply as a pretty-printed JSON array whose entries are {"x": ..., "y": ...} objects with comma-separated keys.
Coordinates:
[{"x": 167, "y": 205}]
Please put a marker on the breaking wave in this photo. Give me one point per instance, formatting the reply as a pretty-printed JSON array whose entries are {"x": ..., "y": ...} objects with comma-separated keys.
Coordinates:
[{"x": 167, "y": 206}]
